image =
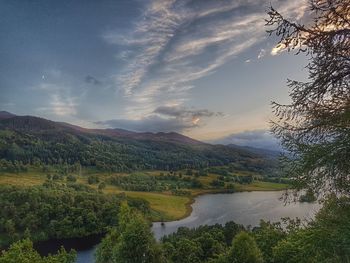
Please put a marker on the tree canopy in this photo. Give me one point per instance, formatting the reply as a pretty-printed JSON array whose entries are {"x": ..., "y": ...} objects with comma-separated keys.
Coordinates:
[
  {"x": 130, "y": 242},
  {"x": 23, "y": 252}
]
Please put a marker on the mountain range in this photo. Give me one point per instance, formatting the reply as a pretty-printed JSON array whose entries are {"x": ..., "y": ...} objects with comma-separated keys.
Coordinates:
[{"x": 32, "y": 139}]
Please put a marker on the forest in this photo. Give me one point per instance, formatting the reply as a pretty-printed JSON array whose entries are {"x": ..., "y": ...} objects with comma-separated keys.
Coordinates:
[{"x": 56, "y": 210}]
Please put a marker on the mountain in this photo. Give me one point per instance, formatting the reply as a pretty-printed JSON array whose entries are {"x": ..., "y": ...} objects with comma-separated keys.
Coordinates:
[
  {"x": 32, "y": 139},
  {"x": 6, "y": 115},
  {"x": 260, "y": 151},
  {"x": 36, "y": 124}
]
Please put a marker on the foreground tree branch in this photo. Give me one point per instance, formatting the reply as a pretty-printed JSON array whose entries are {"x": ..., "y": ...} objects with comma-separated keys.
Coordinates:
[{"x": 315, "y": 127}]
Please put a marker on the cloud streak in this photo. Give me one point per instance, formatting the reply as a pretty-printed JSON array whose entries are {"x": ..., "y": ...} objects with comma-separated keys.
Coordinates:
[
  {"x": 177, "y": 42},
  {"x": 253, "y": 138},
  {"x": 165, "y": 119},
  {"x": 59, "y": 100}
]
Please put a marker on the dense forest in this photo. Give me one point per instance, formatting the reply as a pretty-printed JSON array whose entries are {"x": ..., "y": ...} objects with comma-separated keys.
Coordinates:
[
  {"x": 32, "y": 140},
  {"x": 57, "y": 210}
]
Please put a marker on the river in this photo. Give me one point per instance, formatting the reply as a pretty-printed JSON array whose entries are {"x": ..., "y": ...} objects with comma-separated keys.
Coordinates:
[{"x": 245, "y": 208}]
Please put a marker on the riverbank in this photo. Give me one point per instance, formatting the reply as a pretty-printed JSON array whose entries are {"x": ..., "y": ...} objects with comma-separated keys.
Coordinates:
[
  {"x": 168, "y": 207},
  {"x": 255, "y": 186},
  {"x": 165, "y": 206},
  {"x": 246, "y": 208}
]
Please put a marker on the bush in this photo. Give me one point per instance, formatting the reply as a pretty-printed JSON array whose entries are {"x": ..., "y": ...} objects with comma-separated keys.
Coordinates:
[{"x": 71, "y": 178}]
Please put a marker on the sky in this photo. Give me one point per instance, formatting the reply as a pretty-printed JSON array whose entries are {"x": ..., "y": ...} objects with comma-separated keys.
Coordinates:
[{"x": 204, "y": 68}]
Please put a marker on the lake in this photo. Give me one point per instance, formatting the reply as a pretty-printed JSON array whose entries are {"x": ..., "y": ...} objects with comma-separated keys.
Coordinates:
[{"x": 245, "y": 208}]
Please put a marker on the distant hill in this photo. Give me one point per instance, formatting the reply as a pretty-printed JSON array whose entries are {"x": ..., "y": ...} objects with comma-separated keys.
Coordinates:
[
  {"x": 32, "y": 124},
  {"x": 263, "y": 152},
  {"x": 31, "y": 139},
  {"x": 6, "y": 115}
]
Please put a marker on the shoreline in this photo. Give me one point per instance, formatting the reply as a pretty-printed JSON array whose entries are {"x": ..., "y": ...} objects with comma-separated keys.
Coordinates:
[
  {"x": 188, "y": 207},
  {"x": 193, "y": 196}
]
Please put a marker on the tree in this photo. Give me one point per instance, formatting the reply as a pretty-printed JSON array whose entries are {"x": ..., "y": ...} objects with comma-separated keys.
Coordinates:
[
  {"x": 101, "y": 186},
  {"x": 136, "y": 242},
  {"x": 23, "y": 252},
  {"x": 267, "y": 235},
  {"x": 244, "y": 250},
  {"x": 326, "y": 239},
  {"x": 71, "y": 178},
  {"x": 211, "y": 248},
  {"x": 131, "y": 242},
  {"x": 231, "y": 229},
  {"x": 104, "y": 252},
  {"x": 315, "y": 126},
  {"x": 187, "y": 251}
]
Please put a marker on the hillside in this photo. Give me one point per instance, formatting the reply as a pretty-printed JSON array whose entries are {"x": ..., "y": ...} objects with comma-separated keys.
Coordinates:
[
  {"x": 6, "y": 115},
  {"x": 273, "y": 154},
  {"x": 31, "y": 139}
]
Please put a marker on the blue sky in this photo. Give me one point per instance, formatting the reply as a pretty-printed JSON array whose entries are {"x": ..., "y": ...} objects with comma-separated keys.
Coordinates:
[{"x": 205, "y": 68}]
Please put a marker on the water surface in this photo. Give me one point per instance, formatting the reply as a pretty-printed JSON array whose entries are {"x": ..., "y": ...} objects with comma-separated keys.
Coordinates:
[{"x": 245, "y": 208}]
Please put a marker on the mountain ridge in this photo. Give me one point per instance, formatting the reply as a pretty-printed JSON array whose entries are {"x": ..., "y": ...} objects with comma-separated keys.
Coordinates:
[
  {"x": 28, "y": 122},
  {"x": 30, "y": 139},
  {"x": 258, "y": 150},
  {"x": 6, "y": 115}
]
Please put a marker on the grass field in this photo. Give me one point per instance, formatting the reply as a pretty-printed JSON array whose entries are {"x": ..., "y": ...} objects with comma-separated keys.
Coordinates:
[
  {"x": 170, "y": 207},
  {"x": 165, "y": 206},
  {"x": 261, "y": 186},
  {"x": 22, "y": 179}
]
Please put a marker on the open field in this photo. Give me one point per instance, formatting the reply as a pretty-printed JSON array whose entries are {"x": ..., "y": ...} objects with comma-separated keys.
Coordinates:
[
  {"x": 261, "y": 186},
  {"x": 165, "y": 205},
  {"x": 170, "y": 207}
]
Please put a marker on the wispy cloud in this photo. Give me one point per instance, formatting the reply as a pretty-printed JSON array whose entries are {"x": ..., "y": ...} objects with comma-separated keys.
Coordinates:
[
  {"x": 59, "y": 106},
  {"x": 253, "y": 138},
  {"x": 185, "y": 112},
  {"x": 164, "y": 118},
  {"x": 62, "y": 106},
  {"x": 175, "y": 43},
  {"x": 58, "y": 98},
  {"x": 151, "y": 123},
  {"x": 262, "y": 53}
]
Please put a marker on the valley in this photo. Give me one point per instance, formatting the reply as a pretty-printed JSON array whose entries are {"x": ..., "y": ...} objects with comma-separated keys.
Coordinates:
[{"x": 166, "y": 205}]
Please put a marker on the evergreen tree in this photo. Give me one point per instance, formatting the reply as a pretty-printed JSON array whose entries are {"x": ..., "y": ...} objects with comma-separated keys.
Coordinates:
[
  {"x": 131, "y": 242},
  {"x": 244, "y": 250},
  {"x": 315, "y": 126}
]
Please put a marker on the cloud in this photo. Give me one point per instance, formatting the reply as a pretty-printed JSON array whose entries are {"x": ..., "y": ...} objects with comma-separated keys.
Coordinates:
[
  {"x": 57, "y": 91},
  {"x": 185, "y": 112},
  {"x": 253, "y": 138},
  {"x": 165, "y": 119},
  {"x": 262, "y": 53},
  {"x": 92, "y": 80},
  {"x": 59, "y": 106},
  {"x": 176, "y": 42},
  {"x": 152, "y": 123}
]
